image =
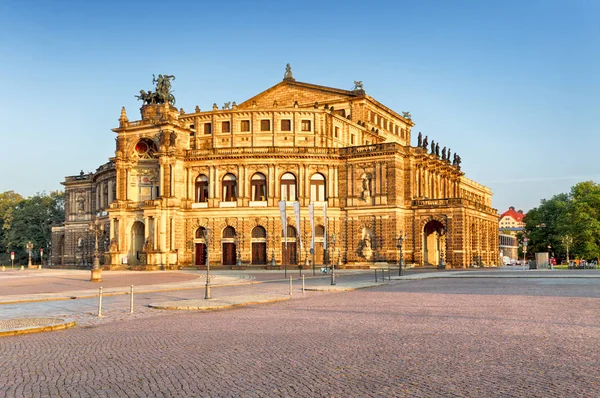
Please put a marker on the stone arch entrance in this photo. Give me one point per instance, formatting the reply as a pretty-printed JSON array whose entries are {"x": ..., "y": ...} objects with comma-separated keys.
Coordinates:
[
  {"x": 433, "y": 232},
  {"x": 228, "y": 246},
  {"x": 289, "y": 249},
  {"x": 200, "y": 247},
  {"x": 137, "y": 243},
  {"x": 259, "y": 245}
]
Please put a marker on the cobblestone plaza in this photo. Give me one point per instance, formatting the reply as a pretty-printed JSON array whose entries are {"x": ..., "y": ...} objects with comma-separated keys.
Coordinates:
[{"x": 468, "y": 336}]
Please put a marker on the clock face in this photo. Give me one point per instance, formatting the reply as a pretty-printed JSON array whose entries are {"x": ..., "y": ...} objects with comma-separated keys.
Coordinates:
[{"x": 141, "y": 147}]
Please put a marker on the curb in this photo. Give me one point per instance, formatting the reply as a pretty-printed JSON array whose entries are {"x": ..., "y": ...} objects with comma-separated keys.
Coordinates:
[
  {"x": 66, "y": 324},
  {"x": 181, "y": 305}
]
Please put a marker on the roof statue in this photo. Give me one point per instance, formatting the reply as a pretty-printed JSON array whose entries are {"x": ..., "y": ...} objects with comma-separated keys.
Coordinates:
[
  {"x": 288, "y": 73},
  {"x": 358, "y": 86},
  {"x": 162, "y": 94},
  {"x": 420, "y": 139},
  {"x": 425, "y": 142},
  {"x": 406, "y": 115}
]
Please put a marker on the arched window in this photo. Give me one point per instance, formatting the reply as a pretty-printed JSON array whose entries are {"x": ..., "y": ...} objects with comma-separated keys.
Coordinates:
[
  {"x": 259, "y": 232},
  {"x": 319, "y": 231},
  {"x": 202, "y": 188},
  {"x": 229, "y": 188},
  {"x": 259, "y": 187},
  {"x": 317, "y": 188},
  {"x": 288, "y": 187},
  {"x": 200, "y": 233},
  {"x": 291, "y": 232},
  {"x": 229, "y": 232}
]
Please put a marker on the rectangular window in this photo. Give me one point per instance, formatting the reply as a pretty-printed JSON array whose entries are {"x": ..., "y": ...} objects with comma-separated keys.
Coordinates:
[
  {"x": 337, "y": 132},
  {"x": 286, "y": 125},
  {"x": 225, "y": 127},
  {"x": 259, "y": 191},
  {"x": 352, "y": 139},
  {"x": 306, "y": 125},
  {"x": 245, "y": 126},
  {"x": 207, "y": 128},
  {"x": 265, "y": 125}
]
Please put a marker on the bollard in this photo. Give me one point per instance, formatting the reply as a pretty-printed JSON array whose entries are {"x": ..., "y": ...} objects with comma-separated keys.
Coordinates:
[
  {"x": 100, "y": 302},
  {"x": 22, "y": 268},
  {"x": 131, "y": 300},
  {"x": 302, "y": 284},
  {"x": 3, "y": 268},
  {"x": 290, "y": 286}
]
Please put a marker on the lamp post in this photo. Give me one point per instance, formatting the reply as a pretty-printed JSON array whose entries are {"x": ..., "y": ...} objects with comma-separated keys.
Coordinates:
[
  {"x": 238, "y": 248},
  {"x": 549, "y": 258},
  {"x": 567, "y": 240},
  {"x": 95, "y": 227},
  {"x": 332, "y": 243},
  {"x": 206, "y": 233},
  {"x": 399, "y": 246},
  {"x": 525, "y": 240},
  {"x": 29, "y": 246}
]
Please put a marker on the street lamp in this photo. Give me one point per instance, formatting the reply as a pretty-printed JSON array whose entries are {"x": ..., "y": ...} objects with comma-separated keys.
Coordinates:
[
  {"x": 237, "y": 240},
  {"x": 332, "y": 240},
  {"x": 549, "y": 258},
  {"x": 95, "y": 227},
  {"x": 525, "y": 240},
  {"x": 29, "y": 246},
  {"x": 567, "y": 240},
  {"x": 399, "y": 246},
  {"x": 206, "y": 233}
]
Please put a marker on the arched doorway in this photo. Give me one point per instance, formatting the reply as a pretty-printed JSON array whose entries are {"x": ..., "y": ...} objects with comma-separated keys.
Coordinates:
[
  {"x": 432, "y": 238},
  {"x": 200, "y": 247},
  {"x": 259, "y": 245},
  {"x": 319, "y": 237},
  {"x": 228, "y": 246},
  {"x": 137, "y": 242},
  {"x": 289, "y": 249}
]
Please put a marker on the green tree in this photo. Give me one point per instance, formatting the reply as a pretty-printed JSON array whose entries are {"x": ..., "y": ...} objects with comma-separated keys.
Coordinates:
[
  {"x": 8, "y": 201},
  {"x": 32, "y": 220},
  {"x": 576, "y": 215},
  {"x": 585, "y": 219}
]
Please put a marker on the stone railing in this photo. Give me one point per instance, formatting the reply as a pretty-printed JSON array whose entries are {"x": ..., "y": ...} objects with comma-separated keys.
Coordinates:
[
  {"x": 262, "y": 150},
  {"x": 449, "y": 202},
  {"x": 366, "y": 149}
]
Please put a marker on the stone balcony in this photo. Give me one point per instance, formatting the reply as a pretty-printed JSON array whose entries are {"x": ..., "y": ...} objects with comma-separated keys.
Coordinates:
[{"x": 451, "y": 202}]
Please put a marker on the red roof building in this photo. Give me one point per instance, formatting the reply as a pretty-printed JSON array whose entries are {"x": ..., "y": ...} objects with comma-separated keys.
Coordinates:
[{"x": 512, "y": 218}]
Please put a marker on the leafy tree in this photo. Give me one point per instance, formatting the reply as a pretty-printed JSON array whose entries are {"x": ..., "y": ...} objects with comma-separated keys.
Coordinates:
[
  {"x": 32, "y": 220},
  {"x": 8, "y": 201},
  {"x": 575, "y": 215}
]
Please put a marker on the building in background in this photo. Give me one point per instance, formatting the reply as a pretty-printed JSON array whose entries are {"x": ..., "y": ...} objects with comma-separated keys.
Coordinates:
[
  {"x": 237, "y": 172},
  {"x": 512, "y": 220}
]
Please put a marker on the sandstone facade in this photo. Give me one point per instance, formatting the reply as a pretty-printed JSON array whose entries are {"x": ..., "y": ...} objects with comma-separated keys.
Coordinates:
[{"x": 176, "y": 174}]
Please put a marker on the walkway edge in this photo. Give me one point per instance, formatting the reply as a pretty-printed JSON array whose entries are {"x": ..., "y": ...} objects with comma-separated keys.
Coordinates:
[{"x": 68, "y": 323}]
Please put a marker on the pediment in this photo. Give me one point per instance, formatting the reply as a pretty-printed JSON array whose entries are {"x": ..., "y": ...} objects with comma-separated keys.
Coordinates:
[{"x": 288, "y": 92}]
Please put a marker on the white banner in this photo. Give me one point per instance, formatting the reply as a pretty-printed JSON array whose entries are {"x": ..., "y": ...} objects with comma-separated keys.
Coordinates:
[
  {"x": 283, "y": 219},
  {"x": 325, "y": 226},
  {"x": 311, "y": 215},
  {"x": 297, "y": 216}
]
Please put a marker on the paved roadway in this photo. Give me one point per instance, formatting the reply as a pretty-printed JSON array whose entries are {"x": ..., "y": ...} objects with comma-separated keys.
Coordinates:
[{"x": 446, "y": 337}]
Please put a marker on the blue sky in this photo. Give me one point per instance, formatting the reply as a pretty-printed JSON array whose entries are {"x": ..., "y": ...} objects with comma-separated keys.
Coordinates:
[{"x": 511, "y": 86}]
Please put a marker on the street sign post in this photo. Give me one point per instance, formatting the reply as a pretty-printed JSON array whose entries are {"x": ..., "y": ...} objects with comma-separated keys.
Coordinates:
[{"x": 12, "y": 260}]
